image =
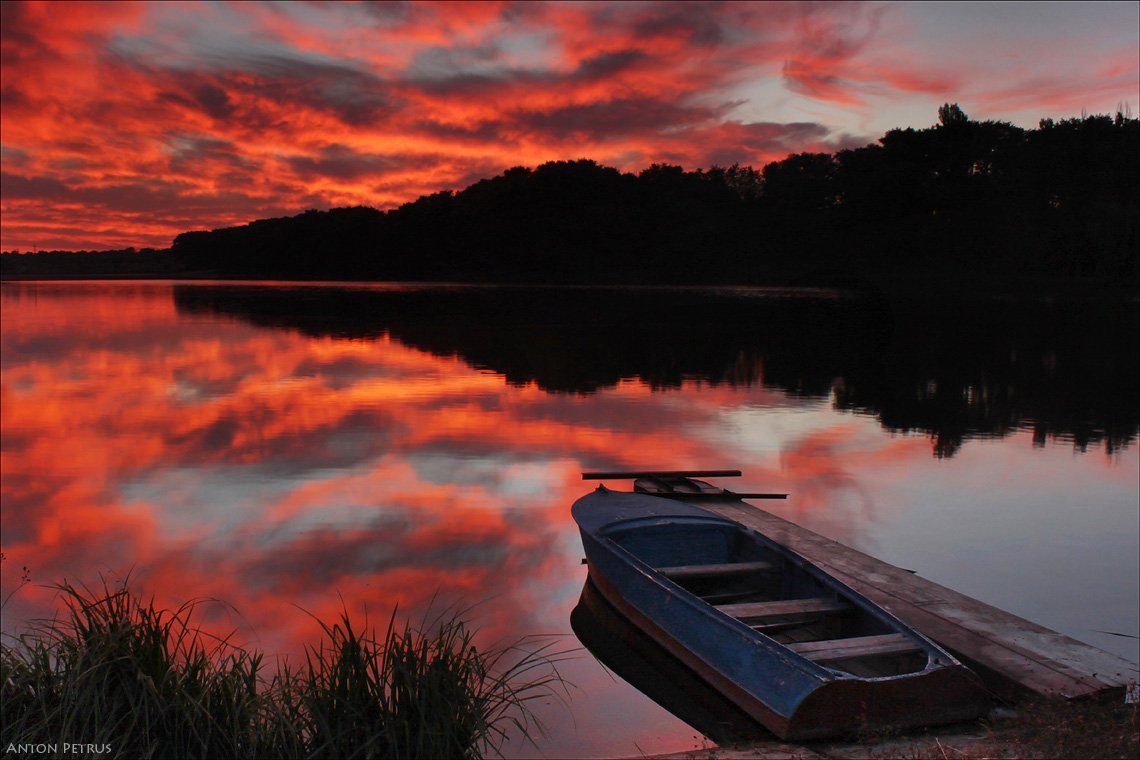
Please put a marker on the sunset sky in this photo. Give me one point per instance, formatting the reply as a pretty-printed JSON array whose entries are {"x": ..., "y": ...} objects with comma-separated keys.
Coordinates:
[{"x": 126, "y": 123}]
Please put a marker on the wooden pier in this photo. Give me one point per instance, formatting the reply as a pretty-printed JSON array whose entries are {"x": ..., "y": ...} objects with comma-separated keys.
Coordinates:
[{"x": 1014, "y": 656}]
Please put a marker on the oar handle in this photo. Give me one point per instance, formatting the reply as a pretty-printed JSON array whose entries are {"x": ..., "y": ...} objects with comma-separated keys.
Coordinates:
[
  {"x": 633, "y": 475},
  {"x": 715, "y": 495}
]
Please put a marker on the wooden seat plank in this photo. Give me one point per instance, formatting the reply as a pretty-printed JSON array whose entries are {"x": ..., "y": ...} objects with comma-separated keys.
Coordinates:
[
  {"x": 682, "y": 572},
  {"x": 785, "y": 624},
  {"x": 855, "y": 646},
  {"x": 749, "y": 611}
]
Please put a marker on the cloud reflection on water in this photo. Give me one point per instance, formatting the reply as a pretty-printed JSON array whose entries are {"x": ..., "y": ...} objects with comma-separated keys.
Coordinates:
[{"x": 206, "y": 458}]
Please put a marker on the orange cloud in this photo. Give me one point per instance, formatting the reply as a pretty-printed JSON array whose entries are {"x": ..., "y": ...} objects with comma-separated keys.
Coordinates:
[{"x": 129, "y": 123}]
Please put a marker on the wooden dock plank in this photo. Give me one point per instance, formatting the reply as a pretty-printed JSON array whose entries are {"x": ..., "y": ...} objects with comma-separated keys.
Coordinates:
[{"x": 1012, "y": 654}]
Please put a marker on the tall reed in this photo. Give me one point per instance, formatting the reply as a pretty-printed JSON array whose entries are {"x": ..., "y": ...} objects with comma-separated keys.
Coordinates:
[{"x": 120, "y": 678}]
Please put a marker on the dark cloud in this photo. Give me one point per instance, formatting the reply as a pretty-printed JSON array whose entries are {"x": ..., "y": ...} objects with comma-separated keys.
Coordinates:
[
  {"x": 762, "y": 134},
  {"x": 758, "y": 143},
  {"x": 460, "y": 83},
  {"x": 607, "y": 65},
  {"x": 615, "y": 119},
  {"x": 214, "y": 101},
  {"x": 357, "y": 98},
  {"x": 18, "y": 38},
  {"x": 386, "y": 14},
  {"x": 443, "y": 63},
  {"x": 470, "y": 86},
  {"x": 695, "y": 22},
  {"x": 471, "y": 133},
  {"x": 13, "y": 156},
  {"x": 17, "y": 187},
  {"x": 191, "y": 155},
  {"x": 13, "y": 97},
  {"x": 343, "y": 163},
  {"x": 158, "y": 201}
]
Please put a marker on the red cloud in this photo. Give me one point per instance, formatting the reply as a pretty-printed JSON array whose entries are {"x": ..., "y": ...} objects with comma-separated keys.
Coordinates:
[{"x": 127, "y": 123}]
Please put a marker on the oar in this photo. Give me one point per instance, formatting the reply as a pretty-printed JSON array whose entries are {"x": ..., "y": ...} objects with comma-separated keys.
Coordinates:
[
  {"x": 633, "y": 475},
  {"x": 721, "y": 495}
]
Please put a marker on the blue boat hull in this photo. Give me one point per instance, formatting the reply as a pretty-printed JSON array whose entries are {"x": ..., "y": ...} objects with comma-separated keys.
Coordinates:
[{"x": 628, "y": 537}]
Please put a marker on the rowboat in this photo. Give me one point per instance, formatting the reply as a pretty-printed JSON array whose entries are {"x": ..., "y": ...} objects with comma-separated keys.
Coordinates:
[{"x": 800, "y": 652}]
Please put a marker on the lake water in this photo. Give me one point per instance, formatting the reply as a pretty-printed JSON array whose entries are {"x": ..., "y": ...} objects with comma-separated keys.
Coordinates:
[{"x": 285, "y": 448}]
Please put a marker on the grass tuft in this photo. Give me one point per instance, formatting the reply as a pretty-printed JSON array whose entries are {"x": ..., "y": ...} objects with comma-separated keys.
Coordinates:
[
  {"x": 117, "y": 673},
  {"x": 1082, "y": 729}
]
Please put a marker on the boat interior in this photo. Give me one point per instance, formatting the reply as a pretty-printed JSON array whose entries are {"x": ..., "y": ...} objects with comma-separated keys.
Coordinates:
[{"x": 777, "y": 594}]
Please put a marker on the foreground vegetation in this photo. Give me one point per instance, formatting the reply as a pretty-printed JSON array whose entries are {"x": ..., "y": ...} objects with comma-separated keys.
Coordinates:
[
  {"x": 1060, "y": 729},
  {"x": 1040, "y": 729},
  {"x": 1050, "y": 729},
  {"x": 116, "y": 677}
]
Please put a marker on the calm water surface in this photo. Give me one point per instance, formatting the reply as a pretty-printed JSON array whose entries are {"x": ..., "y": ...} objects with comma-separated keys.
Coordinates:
[{"x": 282, "y": 447}]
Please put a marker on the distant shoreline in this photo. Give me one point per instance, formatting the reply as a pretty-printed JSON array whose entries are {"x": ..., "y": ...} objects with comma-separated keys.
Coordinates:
[{"x": 890, "y": 286}]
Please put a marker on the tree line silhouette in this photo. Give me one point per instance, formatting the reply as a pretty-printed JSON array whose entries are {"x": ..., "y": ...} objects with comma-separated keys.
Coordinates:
[{"x": 963, "y": 197}]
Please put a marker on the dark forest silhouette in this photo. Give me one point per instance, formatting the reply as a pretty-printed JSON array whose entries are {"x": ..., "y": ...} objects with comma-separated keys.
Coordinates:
[
  {"x": 952, "y": 368},
  {"x": 962, "y": 198}
]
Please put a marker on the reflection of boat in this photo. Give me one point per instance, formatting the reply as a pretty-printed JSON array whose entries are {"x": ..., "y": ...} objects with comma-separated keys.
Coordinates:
[
  {"x": 798, "y": 651},
  {"x": 644, "y": 664}
]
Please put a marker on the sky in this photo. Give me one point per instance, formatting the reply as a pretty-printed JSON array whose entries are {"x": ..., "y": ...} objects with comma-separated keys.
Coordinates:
[{"x": 126, "y": 123}]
